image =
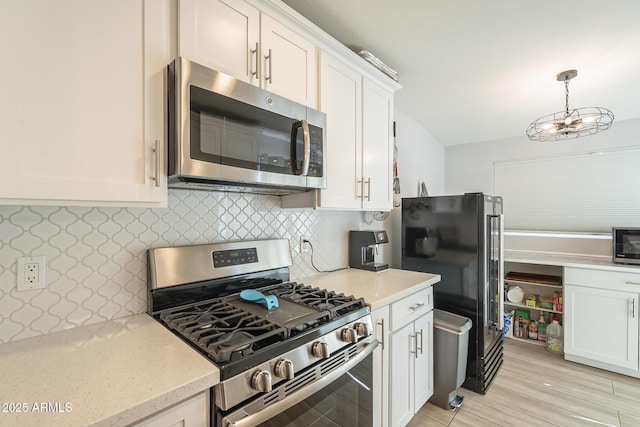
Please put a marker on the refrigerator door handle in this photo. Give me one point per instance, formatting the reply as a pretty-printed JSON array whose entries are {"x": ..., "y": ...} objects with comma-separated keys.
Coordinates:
[
  {"x": 496, "y": 256},
  {"x": 501, "y": 270}
]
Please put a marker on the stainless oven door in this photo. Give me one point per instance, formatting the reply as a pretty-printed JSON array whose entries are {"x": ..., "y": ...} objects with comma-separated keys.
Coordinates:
[{"x": 337, "y": 391}]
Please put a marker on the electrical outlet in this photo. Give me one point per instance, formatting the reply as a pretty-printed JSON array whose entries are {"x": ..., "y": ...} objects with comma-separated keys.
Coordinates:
[
  {"x": 303, "y": 247},
  {"x": 31, "y": 273}
]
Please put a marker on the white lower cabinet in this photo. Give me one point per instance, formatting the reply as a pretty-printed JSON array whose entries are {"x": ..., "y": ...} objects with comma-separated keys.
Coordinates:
[
  {"x": 193, "y": 412},
  {"x": 602, "y": 325},
  {"x": 411, "y": 356},
  {"x": 601, "y": 319},
  {"x": 381, "y": 367}
]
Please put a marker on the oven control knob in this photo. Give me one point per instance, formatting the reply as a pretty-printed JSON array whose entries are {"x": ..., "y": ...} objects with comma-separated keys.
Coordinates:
[
  {"x": 362, "y": 329},
  {"x": 349, "y": 335},
  {"x": 261, "y": 381},
  {"x": 320, "y": 349},
  {"x": 284, "y": 369}
]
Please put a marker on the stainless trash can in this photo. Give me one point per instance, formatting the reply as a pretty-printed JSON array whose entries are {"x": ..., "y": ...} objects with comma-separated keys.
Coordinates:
[{"x": 450, "y": 345}]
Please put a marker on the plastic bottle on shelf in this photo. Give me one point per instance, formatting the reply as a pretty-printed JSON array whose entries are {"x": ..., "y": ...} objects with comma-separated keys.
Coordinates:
[
  {"x": 555, "y": 337},
  {"x": 533, "y": 330},
  {"x": 542, "y": 329}
]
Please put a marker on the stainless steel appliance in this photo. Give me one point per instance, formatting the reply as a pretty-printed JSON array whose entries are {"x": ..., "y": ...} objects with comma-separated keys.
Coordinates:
[
  {"x": 226, "y": 134},
  {"x": 626, "y": 245},
  {"x": 363, "y": 248},
  {"x": 461, "y": 238},
  {"x": 308, "y": 358}
]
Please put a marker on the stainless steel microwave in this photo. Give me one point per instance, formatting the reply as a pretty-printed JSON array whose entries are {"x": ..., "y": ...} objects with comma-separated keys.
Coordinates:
[
  {"x": 228, "y": 135},
  {"x": 626, "y": 245}
]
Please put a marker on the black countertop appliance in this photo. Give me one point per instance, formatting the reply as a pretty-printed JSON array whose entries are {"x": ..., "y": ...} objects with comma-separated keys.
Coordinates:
[{"x": 363, "y": 249}]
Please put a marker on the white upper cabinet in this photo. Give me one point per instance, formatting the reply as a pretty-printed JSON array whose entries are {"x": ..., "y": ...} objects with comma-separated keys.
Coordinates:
[
  {"x": 234, "y": 37},
  {"x": 340, "y": 99},
  {"x": 222, "y": 35},
  {"x": 377, "y": 146},
  {"x": 359, "y": 141},
  {"x": 83, "y": 102}
]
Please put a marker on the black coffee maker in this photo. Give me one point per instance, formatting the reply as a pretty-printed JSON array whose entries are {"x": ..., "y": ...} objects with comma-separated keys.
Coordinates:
[{"x": 363, "y": 248}]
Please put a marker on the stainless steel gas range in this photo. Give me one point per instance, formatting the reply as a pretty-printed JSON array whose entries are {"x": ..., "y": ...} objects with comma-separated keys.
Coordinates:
[{"x": 293, "y": 355}]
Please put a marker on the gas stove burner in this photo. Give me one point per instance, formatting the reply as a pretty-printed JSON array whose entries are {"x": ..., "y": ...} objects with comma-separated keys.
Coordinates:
[
  {"x": 225, "y": 332},
  {"x": 234, "y": 344},
  {"x": 324, "y": 305},
  {"x": 319, "y": 299}
]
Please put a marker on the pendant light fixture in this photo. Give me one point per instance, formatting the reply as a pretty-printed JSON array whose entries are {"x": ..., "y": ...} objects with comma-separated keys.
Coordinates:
[{"x": 570, "y": 123}]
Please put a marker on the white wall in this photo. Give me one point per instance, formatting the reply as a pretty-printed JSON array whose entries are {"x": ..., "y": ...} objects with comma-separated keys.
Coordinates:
[
  {"x": 470, "y": 167},
  {"x": 420, "y": 158}
]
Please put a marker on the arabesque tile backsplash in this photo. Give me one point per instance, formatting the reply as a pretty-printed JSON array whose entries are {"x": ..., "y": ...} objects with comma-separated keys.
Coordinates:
[{"x": 96, "y": 257}]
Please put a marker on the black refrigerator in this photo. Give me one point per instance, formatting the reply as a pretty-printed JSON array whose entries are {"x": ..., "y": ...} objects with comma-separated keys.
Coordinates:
[{"x": 461, "y": 238}]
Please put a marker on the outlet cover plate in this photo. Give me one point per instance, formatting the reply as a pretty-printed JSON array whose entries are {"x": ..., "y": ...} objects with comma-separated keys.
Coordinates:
[
  {"x": 23, "y": 283},
  {"x": 303, "y": 247}
]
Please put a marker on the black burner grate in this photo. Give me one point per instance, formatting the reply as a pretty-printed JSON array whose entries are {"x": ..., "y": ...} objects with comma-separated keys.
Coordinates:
[
  {"x": 320, "y": 299},
  {"x": 223, "y": 331},
  {"x": 237, "y": 338}
]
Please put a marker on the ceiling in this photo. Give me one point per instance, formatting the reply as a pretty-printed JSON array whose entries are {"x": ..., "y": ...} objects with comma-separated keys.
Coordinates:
[{"x": 475, "y": 71}]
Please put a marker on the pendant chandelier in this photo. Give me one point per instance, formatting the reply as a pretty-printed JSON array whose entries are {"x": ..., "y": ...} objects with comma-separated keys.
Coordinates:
[{"x": 570, "y": 123}]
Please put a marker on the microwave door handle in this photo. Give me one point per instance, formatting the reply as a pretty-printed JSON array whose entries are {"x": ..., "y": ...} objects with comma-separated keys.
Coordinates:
[{"x": 306, "y": 140}]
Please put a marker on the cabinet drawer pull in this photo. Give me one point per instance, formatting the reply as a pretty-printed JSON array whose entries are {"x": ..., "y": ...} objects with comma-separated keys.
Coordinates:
[
  {"x": 414, "y": 307},
  {"x": 631, "y": 282}
]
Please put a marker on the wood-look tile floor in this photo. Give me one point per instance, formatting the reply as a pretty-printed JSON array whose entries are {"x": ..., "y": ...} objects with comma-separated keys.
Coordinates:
[{"x": 536, "y": 388}]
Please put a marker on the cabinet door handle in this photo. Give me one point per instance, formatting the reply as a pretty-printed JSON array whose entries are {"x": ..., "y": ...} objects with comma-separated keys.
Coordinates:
[
  {"x": 414, "y": 307},
  {"x": 381, "y": 323},
  {"x": 254, "y": 54},
  {"x": 360, "y": 183},
  {"x": 421, "y": 343},
  {"x": 631, "y": 282},
  {"x": 368, "y": 189},
  {"x": 414, "y": 338},
  {"x": 269, "y": 58},
  {"x": 156, "y": 150},
  {"x": 633, "y": 309}
]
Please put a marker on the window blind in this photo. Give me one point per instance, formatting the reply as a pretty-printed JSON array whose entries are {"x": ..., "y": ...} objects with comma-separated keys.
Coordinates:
[{"x": 589, "y": 192}]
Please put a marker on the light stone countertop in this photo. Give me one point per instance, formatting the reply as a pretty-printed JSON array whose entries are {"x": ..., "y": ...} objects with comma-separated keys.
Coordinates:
[
  {"x": 566, "y": 260},
  {"x": 110, "y": 373},
  {"x": 377, "y": 288}
]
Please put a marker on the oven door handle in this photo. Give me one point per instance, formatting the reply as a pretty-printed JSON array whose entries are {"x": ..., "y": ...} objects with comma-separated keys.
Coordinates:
[{"x": 300, "y": 395}]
